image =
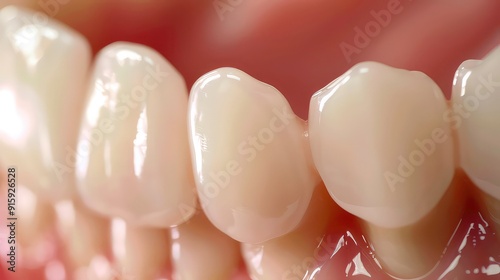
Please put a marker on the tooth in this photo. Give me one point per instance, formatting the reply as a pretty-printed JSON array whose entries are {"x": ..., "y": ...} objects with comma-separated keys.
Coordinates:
[
  {"x": 35, "y": 241},
  {"x": 37, "y": 218},
  {"x": 476, "y": 116},
  {"x": 85, "y": 234},
  {"x": 34, "y": 228},
  {"x": 141, "y": 252},
  {"x": 296, "y": 254},
  {"x": 376, "y": 149},
  {"x": 251, "y": 158},
  {"x": 42, "y": 78},
  {"x": 133, "y": 156},
  {"x": 100, "y": 268},
  {"x": 200, "y": 251},
  {"x": 385, "y": 152},
  {"x": 414, "y": 250}
]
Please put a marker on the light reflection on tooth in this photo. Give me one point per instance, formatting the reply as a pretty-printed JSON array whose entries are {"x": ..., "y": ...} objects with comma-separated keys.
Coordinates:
[
  {"x": 476, "y": 116},
  {"x": 382, "y": 145},
  {"x": 380, "y": 155},
  {"x": 42, "y": 81},
  {"x": 491, "y": 206},
  {"x": 15, "y": 131},
  {"x": 133, "y": 157},
  {"x": 251, "y": 159}
]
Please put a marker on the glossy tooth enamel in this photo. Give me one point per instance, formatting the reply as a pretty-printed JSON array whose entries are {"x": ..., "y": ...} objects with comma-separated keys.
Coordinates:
[
  {"x": 85, "y": 234},
  {"x": 385, "y": 152},
  {"x": 42, "y": 81},
  {"x": 133, "y": 156},
  {"x": 201, "y": 251},
  {"x": 400, "y": 250},
  {"x": 251, "y": 157},
  {"x": 475, "y": 113},
  {"x": 297, "y": 254},
  {"x": 380, "y": 143},
  {"x": 140, "y": 252},
  {"x": 380, "y": 137}
]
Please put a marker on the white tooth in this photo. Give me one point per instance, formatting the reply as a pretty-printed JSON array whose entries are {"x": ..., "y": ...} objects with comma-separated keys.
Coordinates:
[
  {"x": 140, "y": 252},
  {"x": 253, "y": 167},
  {"x": 133, "y": 154},
  {"x": 385, "y": 152},
  {"x": 42, "y": 78},
  {"x": 85, "y": 234},
  {"x": 380, "y": 143},
  {"x": 475, "y": 113},
  {"x": 198, "y": 244},
  {"x": 296, "y": 254}
]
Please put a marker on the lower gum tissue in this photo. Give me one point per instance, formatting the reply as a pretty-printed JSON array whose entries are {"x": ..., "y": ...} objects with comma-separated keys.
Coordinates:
[{"x": 343, "y": 251}]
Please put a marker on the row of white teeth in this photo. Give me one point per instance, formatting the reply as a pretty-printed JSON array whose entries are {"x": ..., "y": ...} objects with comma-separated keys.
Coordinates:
[{"x": 380, "y": 139}]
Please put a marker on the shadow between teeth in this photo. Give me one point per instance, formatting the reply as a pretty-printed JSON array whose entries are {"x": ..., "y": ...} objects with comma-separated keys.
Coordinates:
[
  {"x": 251, "y": 157},
  {"x": 385, "y": 152}
]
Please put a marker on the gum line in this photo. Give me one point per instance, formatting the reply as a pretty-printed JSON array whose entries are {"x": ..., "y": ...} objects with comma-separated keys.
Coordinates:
[{"x": 473, "y": 251}]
